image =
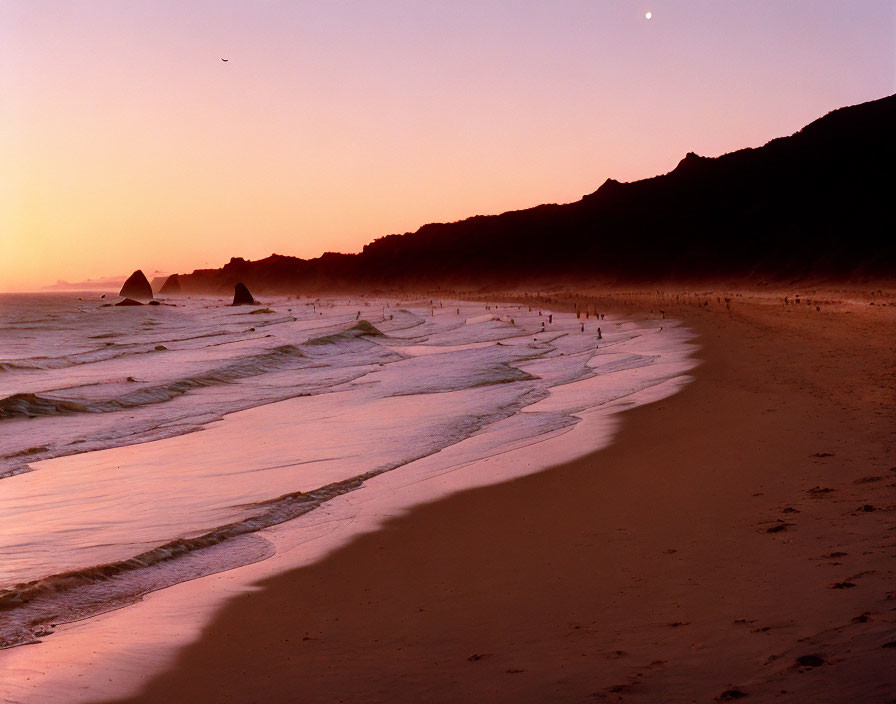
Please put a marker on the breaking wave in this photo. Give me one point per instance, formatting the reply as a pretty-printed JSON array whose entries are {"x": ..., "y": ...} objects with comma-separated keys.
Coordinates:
[
  {"x": 28, "y": 608},
  {"x": 362, "y": 328},
  {"x": 30, "y": 405}
]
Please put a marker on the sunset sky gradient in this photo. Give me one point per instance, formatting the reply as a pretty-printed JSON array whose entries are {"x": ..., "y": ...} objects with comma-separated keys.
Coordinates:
[{"x": 127, "y": 143}]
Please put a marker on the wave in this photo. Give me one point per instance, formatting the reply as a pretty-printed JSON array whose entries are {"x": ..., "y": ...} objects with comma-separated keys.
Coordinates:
[
  {"x": 47, "y": 363},
  {"x": 30, "y": 405},
  {"x": 29, "y": 365},
  {"x": 29, "y": 608},
  {"x": 362, "y": 328},
  {"x": 111, "y": 350},
  {"x": 281, "y": 509}
]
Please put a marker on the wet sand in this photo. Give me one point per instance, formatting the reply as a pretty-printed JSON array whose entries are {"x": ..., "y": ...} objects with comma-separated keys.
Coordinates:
[{"x": 735, "y": 538}]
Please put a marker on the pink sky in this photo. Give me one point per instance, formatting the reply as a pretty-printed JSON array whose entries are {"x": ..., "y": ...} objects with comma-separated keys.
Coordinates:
[{"x": 129, "y": 144}]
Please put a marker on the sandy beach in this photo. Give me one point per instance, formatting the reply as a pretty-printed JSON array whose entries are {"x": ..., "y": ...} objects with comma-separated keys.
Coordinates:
[
  {"x": 735, "y": 539},
  {"x": 438, "y": 352}
]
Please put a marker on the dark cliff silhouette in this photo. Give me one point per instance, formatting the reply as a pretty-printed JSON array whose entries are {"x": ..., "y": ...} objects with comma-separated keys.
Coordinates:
[
  {"x": 171, "y": 287},
  {"x": 815, "y": 204}
]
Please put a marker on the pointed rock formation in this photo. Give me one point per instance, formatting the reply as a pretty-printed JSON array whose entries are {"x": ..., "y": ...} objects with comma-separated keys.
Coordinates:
[
  {"x": 171, "y": 287},
  {"x": 136, "y": 287},
  {"x": 241, "y": 295}
]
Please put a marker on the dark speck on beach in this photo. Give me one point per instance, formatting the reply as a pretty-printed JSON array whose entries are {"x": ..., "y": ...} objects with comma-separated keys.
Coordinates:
[{"x": 820, "y": 490}]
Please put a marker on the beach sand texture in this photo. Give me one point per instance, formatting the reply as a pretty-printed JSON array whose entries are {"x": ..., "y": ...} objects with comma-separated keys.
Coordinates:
[{"x": 736, "y": 538}]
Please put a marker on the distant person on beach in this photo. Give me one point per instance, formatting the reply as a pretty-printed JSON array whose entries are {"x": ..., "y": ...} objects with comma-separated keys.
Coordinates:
[{"x": 599, "y": 335}]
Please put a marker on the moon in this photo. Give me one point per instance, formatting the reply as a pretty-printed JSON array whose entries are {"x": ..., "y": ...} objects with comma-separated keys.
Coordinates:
[{"x": 648, "y": 15}]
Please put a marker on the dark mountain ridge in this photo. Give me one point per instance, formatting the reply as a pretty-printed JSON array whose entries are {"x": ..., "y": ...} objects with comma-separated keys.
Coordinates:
[{"x": 818, "y": 203}]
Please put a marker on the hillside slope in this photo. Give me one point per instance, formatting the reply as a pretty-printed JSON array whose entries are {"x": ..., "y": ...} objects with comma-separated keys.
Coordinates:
[{"x": 815, "y": 204}]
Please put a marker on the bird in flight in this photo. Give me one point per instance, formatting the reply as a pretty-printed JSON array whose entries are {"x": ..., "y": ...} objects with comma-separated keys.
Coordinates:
[{"x": 225, "y": 59}]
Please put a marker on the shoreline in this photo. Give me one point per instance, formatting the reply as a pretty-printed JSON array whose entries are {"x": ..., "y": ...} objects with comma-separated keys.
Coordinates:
[
  {"x": 186, "y": 608},
  {"x": 699, "y": 563}
]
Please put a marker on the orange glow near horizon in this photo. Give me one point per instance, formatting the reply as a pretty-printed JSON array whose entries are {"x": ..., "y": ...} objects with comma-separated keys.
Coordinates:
[{"x": 130, "y": 144}]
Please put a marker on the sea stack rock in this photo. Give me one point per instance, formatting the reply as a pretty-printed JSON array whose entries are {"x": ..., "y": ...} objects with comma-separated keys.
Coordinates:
[
  {"x": 136, "y": 287},
  {"x": 129, "y": 302},
  {"x": 171, "y": 287},
  {"x": 241, "y": 295}
]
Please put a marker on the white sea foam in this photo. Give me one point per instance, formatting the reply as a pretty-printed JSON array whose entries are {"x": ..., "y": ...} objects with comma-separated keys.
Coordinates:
[{"x": 307, "y": 407}]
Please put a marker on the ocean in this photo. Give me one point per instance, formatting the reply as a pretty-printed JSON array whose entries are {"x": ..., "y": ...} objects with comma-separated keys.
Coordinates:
[{"x": 145, "y": 446}]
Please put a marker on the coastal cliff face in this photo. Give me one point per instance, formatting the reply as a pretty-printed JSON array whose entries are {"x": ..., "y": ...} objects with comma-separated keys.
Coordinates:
[
  {"x": 815, "y": 204},
  {"x": 171, "y": 287}
]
